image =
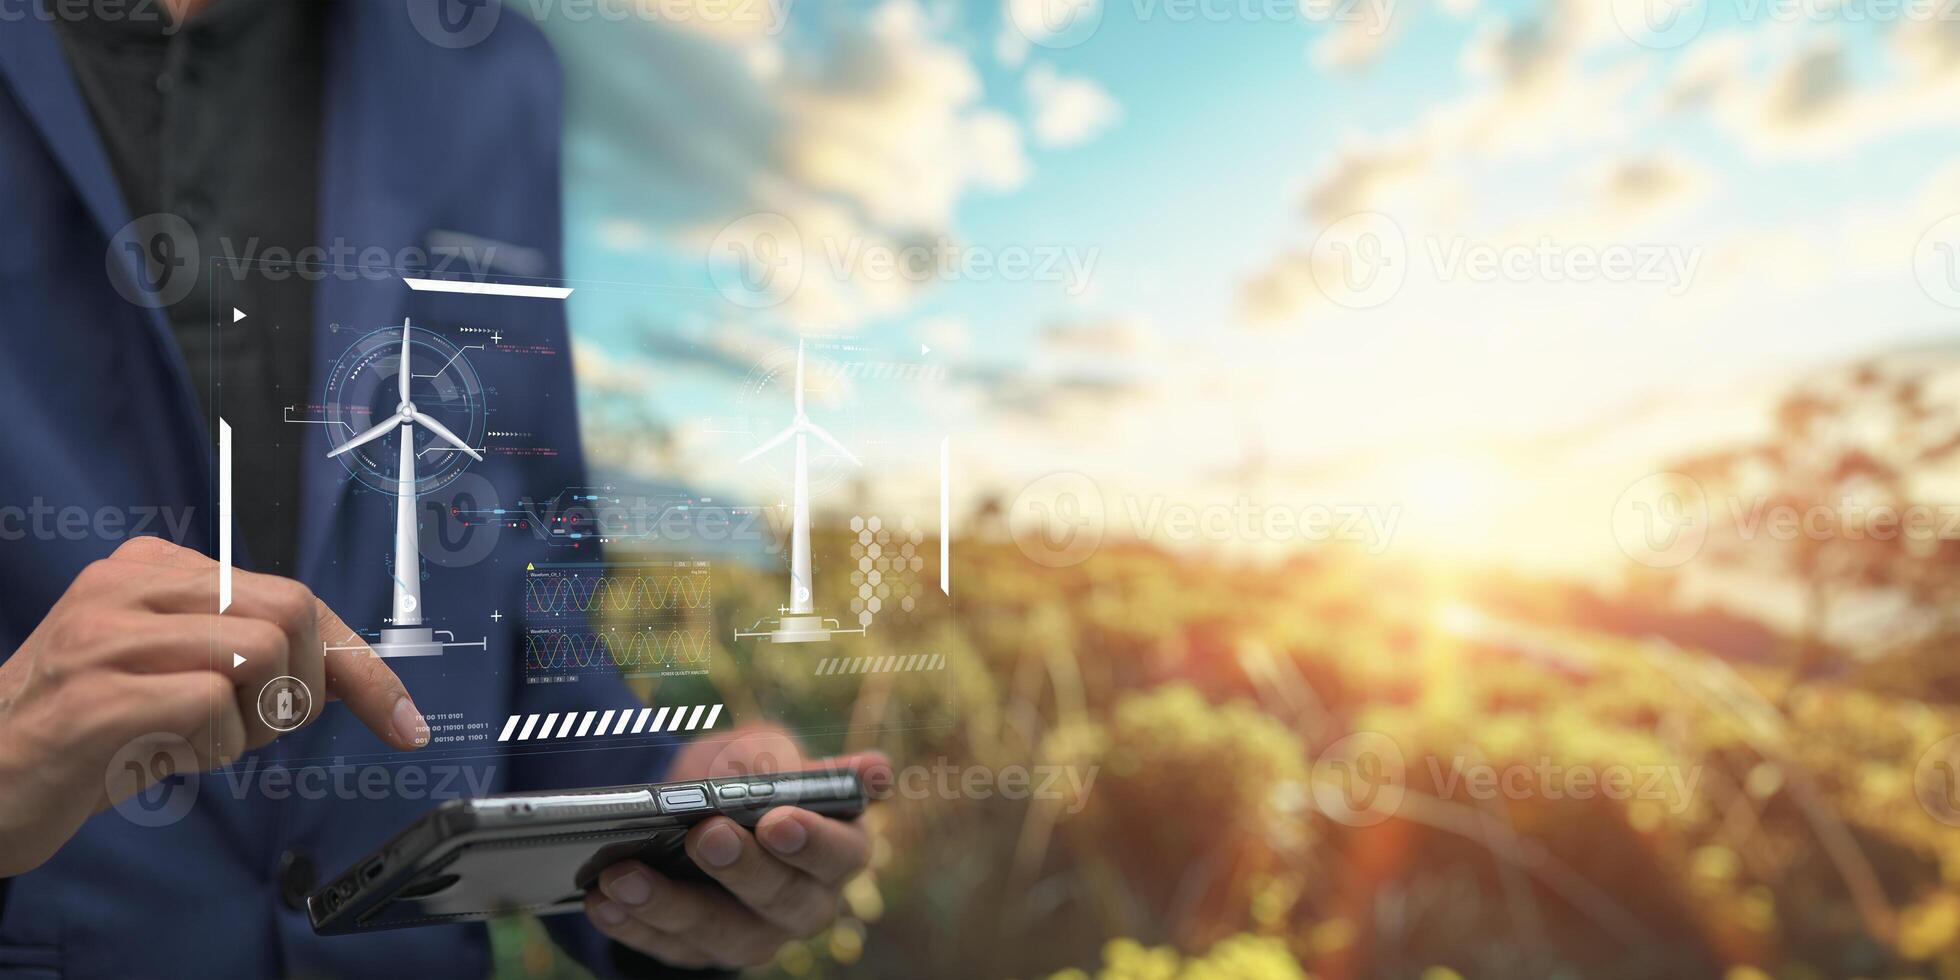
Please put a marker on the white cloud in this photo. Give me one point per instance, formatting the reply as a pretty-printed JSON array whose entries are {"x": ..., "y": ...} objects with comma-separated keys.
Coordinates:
[
  {"x": 870, "y": 135},
  {"x": 1068, "y": 111}
]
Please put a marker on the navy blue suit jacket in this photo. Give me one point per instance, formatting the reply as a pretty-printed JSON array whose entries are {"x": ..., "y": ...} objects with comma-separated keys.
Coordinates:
[{"x": 99, "y": 414}]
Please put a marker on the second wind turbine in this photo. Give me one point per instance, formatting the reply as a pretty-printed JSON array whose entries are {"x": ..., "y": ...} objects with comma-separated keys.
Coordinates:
[
  {"x": 408, "y": 638},
  {"x": 800, "y": 622}
]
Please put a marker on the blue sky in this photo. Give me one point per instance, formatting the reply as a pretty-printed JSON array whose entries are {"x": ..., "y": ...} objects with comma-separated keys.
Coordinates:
[{"x": 1791, "y": 161}]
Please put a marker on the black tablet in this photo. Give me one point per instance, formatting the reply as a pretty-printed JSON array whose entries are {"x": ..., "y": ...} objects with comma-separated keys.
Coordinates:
[{"x": 541, "y": 852}]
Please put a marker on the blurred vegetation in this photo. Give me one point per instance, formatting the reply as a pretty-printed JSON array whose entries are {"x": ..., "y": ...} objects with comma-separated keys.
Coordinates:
[{"x": 1787, "y": 834}]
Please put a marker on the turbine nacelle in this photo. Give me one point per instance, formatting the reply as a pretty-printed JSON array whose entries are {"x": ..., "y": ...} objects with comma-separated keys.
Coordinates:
[
  {"x": 801, "y": 425},
  {"x": 405, "y": 414}
]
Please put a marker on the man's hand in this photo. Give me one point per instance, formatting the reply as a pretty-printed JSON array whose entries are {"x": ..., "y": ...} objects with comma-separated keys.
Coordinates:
[
  {"x": 779, "y": 883},
  {"x": 135, "y": 649}
]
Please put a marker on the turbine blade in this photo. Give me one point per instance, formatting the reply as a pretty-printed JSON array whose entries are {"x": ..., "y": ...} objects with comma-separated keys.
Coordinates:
[
  {"x": 403, "y": 376},
  {"x": 818, "y": 431},
  {"x": 799, "y": 378},
  {"x": 442, "y": 432},
  {"x": 777, "y": 440},
  {"x": 380, "y": 429}
]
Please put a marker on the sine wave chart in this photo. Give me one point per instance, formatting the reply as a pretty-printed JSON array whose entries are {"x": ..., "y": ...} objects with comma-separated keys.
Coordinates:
[{"x": 640, "y": 618}]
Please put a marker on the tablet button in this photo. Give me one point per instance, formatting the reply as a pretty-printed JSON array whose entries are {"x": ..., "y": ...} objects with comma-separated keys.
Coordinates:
[
  {"x": 732, "y": 791},
  {"x": 686, "y": 798},
  {"x": 762, "y": 789}
]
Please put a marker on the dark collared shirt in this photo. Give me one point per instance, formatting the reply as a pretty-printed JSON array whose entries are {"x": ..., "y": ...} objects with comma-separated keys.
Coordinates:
[{"x": 218, "y": 122}]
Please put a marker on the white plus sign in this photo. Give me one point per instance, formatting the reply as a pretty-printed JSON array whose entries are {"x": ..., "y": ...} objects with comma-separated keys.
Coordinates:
[{"x": 497, "y": 616}]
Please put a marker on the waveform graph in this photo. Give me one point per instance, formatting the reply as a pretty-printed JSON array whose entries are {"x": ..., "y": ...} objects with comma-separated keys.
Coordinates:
[
  {"x": 633, "y": 650},
  {"x": 557, "y": 593},
  {"x": 639, "y": 619}
]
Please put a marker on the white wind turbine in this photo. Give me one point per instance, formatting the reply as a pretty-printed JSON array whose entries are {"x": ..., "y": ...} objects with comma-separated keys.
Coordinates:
[
  {"x": 801, "y": 624},
  {"x": 409, "y": 638}
]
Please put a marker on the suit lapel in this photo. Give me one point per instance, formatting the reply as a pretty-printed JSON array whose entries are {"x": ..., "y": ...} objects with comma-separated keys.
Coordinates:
[{"x": 32, "y": 62}]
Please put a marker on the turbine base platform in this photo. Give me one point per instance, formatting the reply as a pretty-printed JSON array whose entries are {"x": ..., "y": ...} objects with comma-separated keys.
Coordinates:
[
  {"x": 407, "y": 642},
  {"x": 797, "y": 629}
]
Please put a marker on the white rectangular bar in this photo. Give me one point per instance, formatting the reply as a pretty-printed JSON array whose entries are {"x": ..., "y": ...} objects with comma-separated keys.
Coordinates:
[
  {"x": 695, "y": 718},
  {"x": 585, "y": 725},
  {"x": 624, "y": 717},
  {"x": 544, "y": 730},
  {"x": 509, "y": 726},
  {"x": 680, "y": 715},
  {"x": 604, "y": 721},
  {"x": 486, "y": 288},
  {"x": 224, "y": 515},
  {"x": 659, "y": 717},
  {"x": 946, "y": 515},
  {"x": 640, "y": 723},
  {"x": 713, "y": 713},
  {"x": 565, "y": 727},
  {"x": 530, "y": 722}
]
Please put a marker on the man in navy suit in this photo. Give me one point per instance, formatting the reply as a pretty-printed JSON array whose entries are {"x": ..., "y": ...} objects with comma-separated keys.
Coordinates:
[{"x": 142, "y": 149}]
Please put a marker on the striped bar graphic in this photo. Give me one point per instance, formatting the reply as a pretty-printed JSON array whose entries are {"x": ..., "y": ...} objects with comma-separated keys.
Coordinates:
[
  {"x": 880, "y": 665},
  {"x": 686, "y": 717}
]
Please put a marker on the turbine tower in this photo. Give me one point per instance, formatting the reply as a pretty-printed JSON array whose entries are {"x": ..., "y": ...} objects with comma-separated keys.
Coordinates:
[
  {"x": 408, "y": 638},
  {"x": 801, "y": 625}
]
